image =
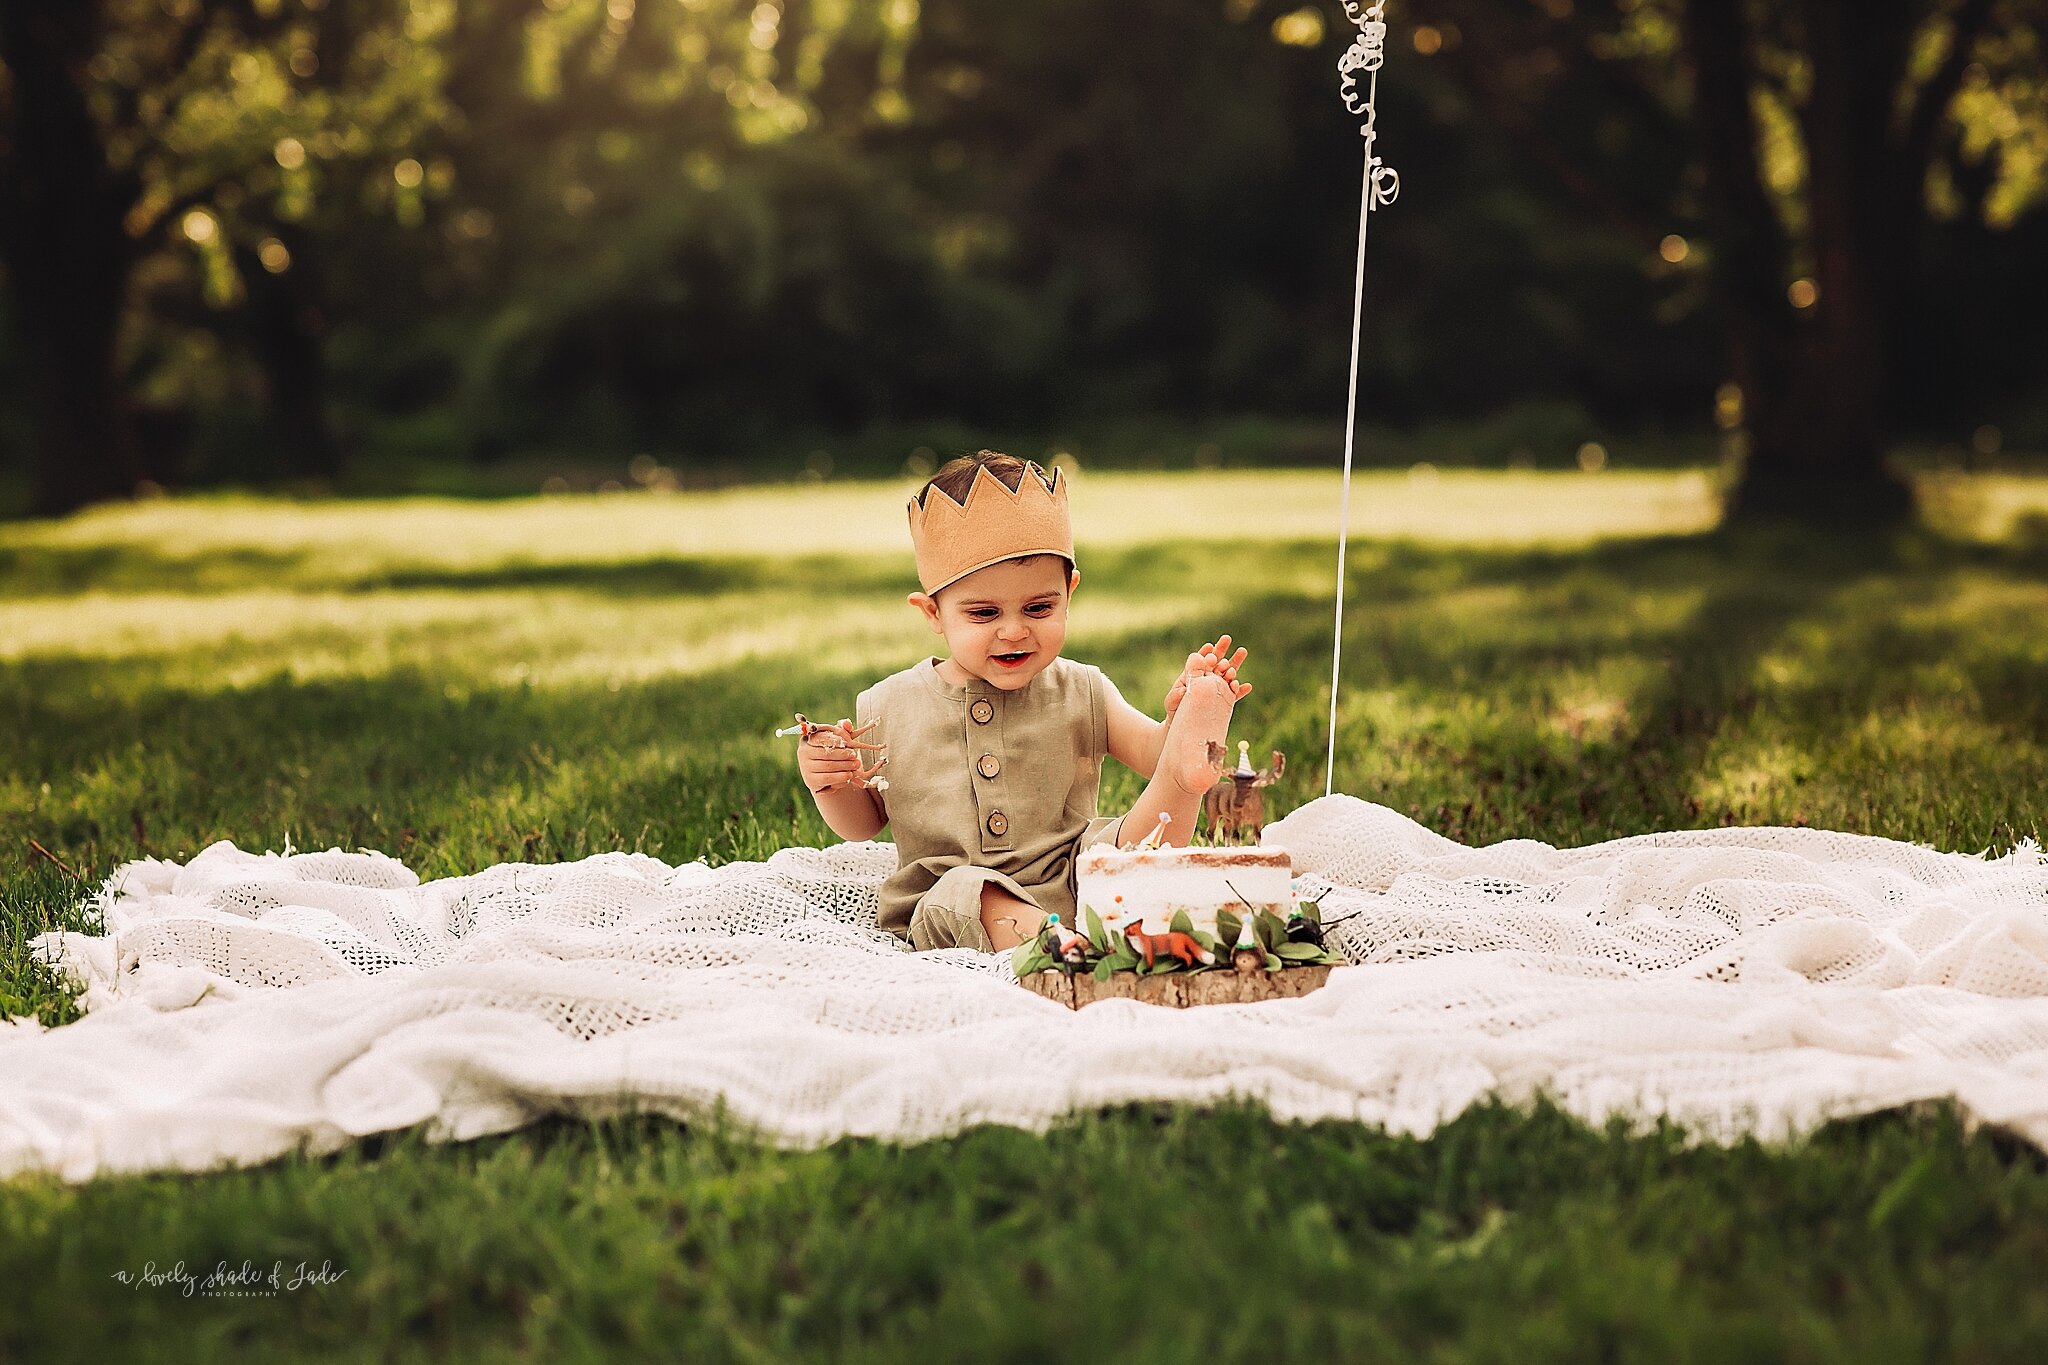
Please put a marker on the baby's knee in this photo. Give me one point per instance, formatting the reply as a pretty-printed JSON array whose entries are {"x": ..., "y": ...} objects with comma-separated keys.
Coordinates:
[
  {"x": 950, "y": 914},
  {"x": 942, "y": 926}
]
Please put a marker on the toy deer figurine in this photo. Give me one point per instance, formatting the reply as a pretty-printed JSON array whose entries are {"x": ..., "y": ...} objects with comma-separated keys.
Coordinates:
[
  {"x": 843, "y": 736},
  {"x": 1235, "y": 809}
]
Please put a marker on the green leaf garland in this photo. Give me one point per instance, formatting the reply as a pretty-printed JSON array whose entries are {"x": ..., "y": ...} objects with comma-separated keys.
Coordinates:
[{"x": 1109, "y": 953}]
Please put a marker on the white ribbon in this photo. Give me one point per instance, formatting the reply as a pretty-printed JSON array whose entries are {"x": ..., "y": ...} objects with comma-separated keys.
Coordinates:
[{"x": 1381, "y": 187}]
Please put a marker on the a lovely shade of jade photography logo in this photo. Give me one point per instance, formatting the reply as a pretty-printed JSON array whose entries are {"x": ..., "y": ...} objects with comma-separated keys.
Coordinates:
[{"x": 247, "y": 1280}]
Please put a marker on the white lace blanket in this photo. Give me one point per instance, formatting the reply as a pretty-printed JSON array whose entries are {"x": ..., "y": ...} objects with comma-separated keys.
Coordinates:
[{"x": 1739, "y": 981}]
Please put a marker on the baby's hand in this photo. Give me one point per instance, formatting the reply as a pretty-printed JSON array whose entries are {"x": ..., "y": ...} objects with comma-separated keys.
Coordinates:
[
  {"x": 1212, "y": 658},
  {"x": 833, "y": 757}
]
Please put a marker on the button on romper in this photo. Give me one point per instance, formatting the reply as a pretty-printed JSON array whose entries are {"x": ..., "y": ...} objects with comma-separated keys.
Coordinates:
[{"x": 987, "y": 785}]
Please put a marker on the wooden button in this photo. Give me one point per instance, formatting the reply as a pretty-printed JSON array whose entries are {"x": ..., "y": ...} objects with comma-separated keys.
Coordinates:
[
  {"x": 988, "y": 766},
  {"x": 982, "y": 711},
  {"x": 998, "y": 823}
]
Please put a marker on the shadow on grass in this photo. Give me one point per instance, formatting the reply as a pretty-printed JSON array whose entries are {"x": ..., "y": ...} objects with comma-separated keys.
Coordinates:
[
  {"x": 68, "y": 571},
  {"x": 1478, "y": 750},
  {"x": 65, "y": 571},
  {"x": 452, "y": 775},
  {"x": 1710, "y": 674},
  {"x": 356, "y": 760}
]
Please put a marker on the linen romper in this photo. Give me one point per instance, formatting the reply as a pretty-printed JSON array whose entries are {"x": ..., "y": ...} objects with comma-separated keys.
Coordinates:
[{"x": 987, "y": 785}]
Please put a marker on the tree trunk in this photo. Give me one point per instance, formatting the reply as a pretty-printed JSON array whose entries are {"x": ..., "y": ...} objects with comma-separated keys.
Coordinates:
[
  {"x": 1815, "y": 382},
  {"x": 1178, "y": 990},
  {"x": 286, "y": 329},
  {"x": 62, "y": 211}
]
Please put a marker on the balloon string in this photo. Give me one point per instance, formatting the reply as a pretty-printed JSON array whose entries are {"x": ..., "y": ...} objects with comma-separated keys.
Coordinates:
[{"x": 1365, "y": 199}]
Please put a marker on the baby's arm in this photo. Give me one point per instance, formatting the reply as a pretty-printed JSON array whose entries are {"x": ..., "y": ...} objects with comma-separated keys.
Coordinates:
[
  {"x": 833, "y": 776},
  {"x": 1135, "y": 739}
]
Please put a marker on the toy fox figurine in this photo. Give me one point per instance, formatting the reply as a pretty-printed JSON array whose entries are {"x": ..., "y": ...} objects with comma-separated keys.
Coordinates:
[{"x": 1152, "y": 946}]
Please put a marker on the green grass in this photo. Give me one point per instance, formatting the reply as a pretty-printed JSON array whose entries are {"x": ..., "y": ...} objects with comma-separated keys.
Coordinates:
[
  {"x": 1135, "y": 1235},
  {"x": 1560, "y": 657}
]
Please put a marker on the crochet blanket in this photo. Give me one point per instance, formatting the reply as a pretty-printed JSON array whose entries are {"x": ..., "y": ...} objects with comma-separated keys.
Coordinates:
[{"x": 1738, "y": 981}]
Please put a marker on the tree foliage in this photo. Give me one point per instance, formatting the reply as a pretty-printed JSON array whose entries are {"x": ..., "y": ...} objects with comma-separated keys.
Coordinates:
[
  {"x": 1834, "y": 164},
  {"x": 266, "y": 233}
]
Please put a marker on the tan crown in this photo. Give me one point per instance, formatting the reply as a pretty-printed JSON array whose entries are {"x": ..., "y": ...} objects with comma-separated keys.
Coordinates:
[{"x": 953, "y": 539}]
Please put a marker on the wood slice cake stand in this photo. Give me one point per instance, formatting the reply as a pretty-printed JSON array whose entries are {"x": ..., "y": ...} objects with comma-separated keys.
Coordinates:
[{"x": 1177, "y": 990}]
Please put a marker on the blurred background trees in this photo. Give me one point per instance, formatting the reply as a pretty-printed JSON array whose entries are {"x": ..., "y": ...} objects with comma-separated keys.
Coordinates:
[
  {"x": 248, "y": 240},
  {"x": 1848, "y": 177}
]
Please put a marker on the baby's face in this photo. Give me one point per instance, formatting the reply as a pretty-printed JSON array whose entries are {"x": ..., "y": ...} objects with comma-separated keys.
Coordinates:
[{"x": 1006, "y": 623}]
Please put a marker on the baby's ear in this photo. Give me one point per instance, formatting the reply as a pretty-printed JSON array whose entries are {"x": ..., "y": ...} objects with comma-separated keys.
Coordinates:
[
  {"x": 1073, "y": 582},
  {"x": 929, "y": 605}
]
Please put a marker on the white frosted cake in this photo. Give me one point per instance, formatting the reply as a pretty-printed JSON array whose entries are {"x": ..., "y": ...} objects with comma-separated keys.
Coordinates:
[{"x": 1125, "y": 885}]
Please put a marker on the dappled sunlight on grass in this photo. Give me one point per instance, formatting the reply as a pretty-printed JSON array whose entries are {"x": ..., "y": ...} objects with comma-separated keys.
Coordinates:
[
  {"x": 212, "y": 541},
  {"x": 1453, "y": 507},
  {"x": 1748, "y": 774},
  {"x": 1938, "y": 678},
  {"x": 507, "y": 639},
  {"x": 1988, "y": 507},
  {"x": 546, "y": 678},
  {"x": 1593, "y": 706}
]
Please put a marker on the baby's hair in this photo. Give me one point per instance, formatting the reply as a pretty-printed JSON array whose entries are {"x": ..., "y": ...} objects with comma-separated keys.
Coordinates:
[{"x": 956, "y": 476}]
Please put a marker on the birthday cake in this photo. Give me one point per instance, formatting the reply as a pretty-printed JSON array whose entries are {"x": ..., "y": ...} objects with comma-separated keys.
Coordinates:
[
  {"x": 1145, "y": 888},
  {"x": 1181, "y": 925}
]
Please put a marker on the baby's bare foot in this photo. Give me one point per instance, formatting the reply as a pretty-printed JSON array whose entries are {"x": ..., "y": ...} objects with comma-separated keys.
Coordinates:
[{"x": 1203, "y": 720}]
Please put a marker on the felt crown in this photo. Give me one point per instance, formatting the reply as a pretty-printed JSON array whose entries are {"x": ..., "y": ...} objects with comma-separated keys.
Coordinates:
[{"x": 953, "y": 539}]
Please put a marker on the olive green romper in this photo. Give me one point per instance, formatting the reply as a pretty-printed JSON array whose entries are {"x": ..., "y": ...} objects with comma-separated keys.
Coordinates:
[{"x": 987, "y": 785}]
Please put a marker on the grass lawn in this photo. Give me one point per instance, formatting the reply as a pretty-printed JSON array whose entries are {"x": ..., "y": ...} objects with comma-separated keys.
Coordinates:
[{"x": 1562, "y": 657}]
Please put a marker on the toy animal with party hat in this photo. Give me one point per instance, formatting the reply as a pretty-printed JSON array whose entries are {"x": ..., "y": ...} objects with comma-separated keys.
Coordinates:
[{"x": 1234, "y": 807}]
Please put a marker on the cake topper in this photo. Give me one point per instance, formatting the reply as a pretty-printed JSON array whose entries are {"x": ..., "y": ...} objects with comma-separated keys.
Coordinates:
[
  {"x": 1151, "y": 947},
  {"x": 1235, "y": 810},
  {"x": 1157, "y": 838},
  {"x": 1302, "y": 929},
  {"x": 1248, "y": 956},
  {"x": 1067, "y": 949},
  {"x": 841, "y": 736}
]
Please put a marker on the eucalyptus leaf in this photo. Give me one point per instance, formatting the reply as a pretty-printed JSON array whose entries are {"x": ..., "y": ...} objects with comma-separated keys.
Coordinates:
[
  {"x": 1270, "y": 931},
  {"x": 1181, "y": 924},
  {"x": 1273, "y": 964},
  {"x": 1102, "y": 970},
  {"x": 1300, "y": 952},
  {"x": 1098, "y": 935},
  {"x": 1027, "y": 957},
  {"x": 1312, "y": 911},
  {"x": 1228, "y": 927}
]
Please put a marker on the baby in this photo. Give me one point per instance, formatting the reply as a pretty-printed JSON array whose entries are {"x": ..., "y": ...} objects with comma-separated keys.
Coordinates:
[{"x": 994, "y": 754}]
